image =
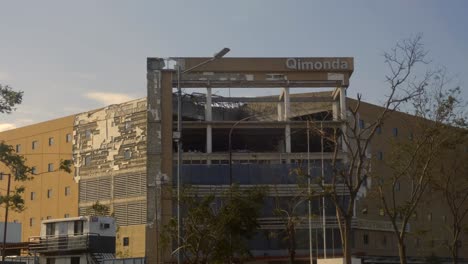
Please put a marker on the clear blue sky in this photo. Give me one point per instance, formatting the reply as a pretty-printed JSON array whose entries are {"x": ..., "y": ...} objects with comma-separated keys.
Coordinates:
[{"x": 70, "y": 57}]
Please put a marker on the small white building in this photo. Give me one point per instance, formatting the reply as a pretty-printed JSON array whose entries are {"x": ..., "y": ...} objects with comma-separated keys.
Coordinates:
[{"x": 77, "y": 240}]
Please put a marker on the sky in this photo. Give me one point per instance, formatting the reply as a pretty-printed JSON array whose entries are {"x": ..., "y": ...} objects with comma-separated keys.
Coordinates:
[{"x": 74, "y": 56}]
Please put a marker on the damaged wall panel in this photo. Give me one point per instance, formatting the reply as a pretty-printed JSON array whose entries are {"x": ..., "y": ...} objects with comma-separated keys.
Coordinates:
[{"x": 109, "y": 154}]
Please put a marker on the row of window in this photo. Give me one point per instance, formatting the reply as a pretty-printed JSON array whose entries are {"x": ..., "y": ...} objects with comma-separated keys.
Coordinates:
[
  {"x": 378, "y": 130},
  {"x": 415, "y": 215},
  {"x": 50, "y": 192},
  {"x": 50, "y": 168},
  {"x": 35, "y": 143},
  {"x": 32, "y": 220},
  {"x": 417, "y": 242}
]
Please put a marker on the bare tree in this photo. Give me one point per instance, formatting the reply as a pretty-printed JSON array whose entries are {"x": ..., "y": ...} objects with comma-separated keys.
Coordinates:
[
  {"x": 289, "y": 210},
  {"x": 452, "y": 183},
  {"x": 451, "y": 174},
  {"x": 350, "y": 172},
  {"x": 414, "y": 162}
]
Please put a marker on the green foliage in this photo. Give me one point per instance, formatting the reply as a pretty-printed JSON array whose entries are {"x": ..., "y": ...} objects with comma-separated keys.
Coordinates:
[
  {"x": 8, "y": 99},
  {"x": 15, "y": 163},
  {"x": 98, "y": 209},
  {"x": 66, "y": 165},
  {"x": 20, "y": 172},
  {"x": 216, "y": 227}
]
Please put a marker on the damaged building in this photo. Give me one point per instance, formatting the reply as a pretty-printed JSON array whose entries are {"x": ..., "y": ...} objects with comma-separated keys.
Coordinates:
[{"x": 126, "y": 156}]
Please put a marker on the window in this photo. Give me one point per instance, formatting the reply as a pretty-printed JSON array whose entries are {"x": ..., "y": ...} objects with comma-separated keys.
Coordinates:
[
  {"x": 68, "y": 138},
  {"x": 380, "y": 155},
  {"x": 361, "y": 124},
  {"x": 365, "y": 239},
  {"x": 67, "y": 191},
  {"x": 49, "y": 193},
  {"x": 50, "y": 229},
  {"x": 384, "y": 240},
  {"x": 87, "y": 161},
  {"x": 75, "y": 260},
  {"x": 78, "y": 227},
  {"x": 18, "y": 148},
  {"x": 33, "y": 196},
  {"x": 50, "y": 167},
  {"x": 410, "y": 136},
  {"x": 126, "y": 241},
  {"x": 88, "y": 134},
  {"x": 35, "y": 144},
  {"x": 31, "y": 221},
  {"x": 378, "y": 130},
  {"x": 34, "y": 170},
  {"x": 51, "y": 141},
  {"x": 66, "y": 215},
  {"x": 1, "y": 176},
  {"x": 127, "y": 154},
  {"x": 395, "y": 131},
  {"x": 397, "y": 186},
  {"x": 381, "y": 212}
]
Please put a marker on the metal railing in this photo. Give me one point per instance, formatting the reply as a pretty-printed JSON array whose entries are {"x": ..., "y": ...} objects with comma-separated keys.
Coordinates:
[
  {"x": 42, "y": 244},
  {"x": 125, "y": 261},
  {"x": 330, "y": 222}
]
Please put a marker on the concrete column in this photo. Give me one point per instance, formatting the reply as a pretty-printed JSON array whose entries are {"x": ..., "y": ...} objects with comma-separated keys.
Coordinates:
[
  {"x": 342, "y": 103},
  {"x": 343, "y": 114},
  {"x": 336, "y": 110},
  {"x": 287, "y": 107},
  {"x": 287, "y": 135},
  {"x": 287, "y": 113},
  {"x": 157, "y": 78},
  {"x": 280, "y": 111},
  {"x": 208, "y": 117}
]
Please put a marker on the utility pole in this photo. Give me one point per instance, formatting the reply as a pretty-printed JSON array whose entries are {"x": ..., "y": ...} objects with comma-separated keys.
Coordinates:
[
  {"x": 5, "y": 224},
  {"x": 310, "y": 195},
  {"x": 178, "y": 138}
]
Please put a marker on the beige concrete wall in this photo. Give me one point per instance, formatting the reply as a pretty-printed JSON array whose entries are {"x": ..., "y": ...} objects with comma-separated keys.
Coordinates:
[
  {"x": 429, "y": 227},
  {"x": 136, "y": 247},
  {"x": 42, "y": 207}
]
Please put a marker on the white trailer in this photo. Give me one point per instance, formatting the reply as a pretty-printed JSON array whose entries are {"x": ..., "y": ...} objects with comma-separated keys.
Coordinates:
[{"x": 77, "y": 240}]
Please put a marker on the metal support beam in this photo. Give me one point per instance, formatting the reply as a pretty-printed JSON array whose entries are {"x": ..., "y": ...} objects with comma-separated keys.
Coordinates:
[{"x": 256, "y": 84}]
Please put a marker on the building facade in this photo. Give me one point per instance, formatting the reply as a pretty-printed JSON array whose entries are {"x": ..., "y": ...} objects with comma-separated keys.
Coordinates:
[
  {"x": 51, "y": 193},
  {"x": 125, "y": 158}
]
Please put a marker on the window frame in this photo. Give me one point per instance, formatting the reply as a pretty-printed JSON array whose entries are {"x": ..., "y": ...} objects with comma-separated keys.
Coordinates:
[
  {"x": 365, "y": 239},
  {"x": 34, "y": 144},
  {"x": 126, "y": 241},
  {"x": 67, "y": 190}
]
